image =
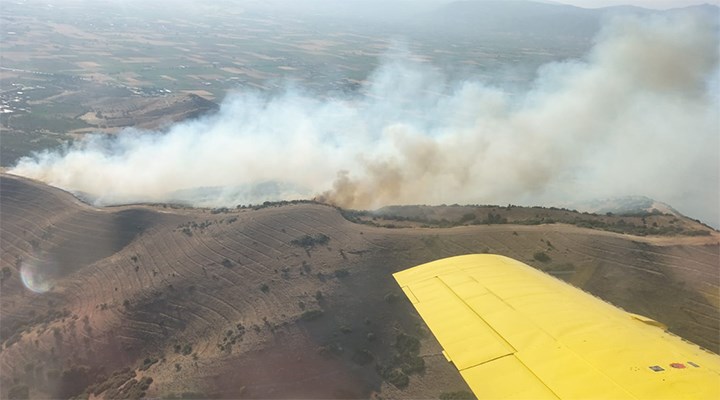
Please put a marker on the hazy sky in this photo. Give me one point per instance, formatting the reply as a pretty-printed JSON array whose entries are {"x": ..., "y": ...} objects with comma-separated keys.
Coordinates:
[
  {"x": 655, "y": 4},
  {"x": 658, "y": 4}
]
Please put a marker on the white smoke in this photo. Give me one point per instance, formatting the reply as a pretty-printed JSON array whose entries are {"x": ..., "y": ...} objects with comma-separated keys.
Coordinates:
[{"x": 639, "y": 115}]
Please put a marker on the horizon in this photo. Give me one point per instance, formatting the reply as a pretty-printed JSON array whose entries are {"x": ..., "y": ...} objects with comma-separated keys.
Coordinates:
[{"x": 649, "y": 4}]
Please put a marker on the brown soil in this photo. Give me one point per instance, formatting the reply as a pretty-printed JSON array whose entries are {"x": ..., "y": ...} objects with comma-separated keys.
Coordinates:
[
  {"x": 147, "y": 112},
  {"x": 223, "y": 300}
]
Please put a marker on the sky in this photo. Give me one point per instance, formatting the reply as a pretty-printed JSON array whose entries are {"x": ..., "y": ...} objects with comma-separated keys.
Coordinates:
[
  {"x": 652, "y": 4},
  {"x": 656, "y": 4}
]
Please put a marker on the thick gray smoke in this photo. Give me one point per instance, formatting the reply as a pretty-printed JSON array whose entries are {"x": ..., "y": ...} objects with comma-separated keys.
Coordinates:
[{"x": 638, "y": 116}]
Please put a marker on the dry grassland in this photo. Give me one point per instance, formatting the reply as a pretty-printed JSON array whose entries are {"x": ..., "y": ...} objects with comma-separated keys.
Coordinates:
[{"x": 279, "y": 301}]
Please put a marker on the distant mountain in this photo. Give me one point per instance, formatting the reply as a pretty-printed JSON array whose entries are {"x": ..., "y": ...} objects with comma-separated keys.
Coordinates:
[
  {"x": 531, "y": 18},
  {"x": 516, "y": 17},
  {"x": 500, "y": 21}
]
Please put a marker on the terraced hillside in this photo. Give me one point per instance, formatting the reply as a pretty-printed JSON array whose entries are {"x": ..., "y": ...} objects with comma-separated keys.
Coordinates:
[{"x": 278, "y": 301}]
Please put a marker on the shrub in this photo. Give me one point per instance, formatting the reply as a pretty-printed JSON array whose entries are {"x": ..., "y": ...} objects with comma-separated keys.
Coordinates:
[
  {"x": 407, "y": 345},
  {"x": 397, "y": 378},
  {"x": 407, "y": 358},
  {"x": 134, "y": 389},
  {"x": 115, "y": 381},
  {"x": 461, "y": 395},
  {"x": 413, "y": 365},
  {"x": 309, "y": 241},
  {"x": 311, "y": 315},
  {"x": 147, "y": 363},
  {"x": 5, "y": 274},
  {"x": 75, "y": 380},
  {"x": 541, "y": 256}
]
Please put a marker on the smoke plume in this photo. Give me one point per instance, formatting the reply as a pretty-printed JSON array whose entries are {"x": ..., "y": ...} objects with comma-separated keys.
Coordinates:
[{"x": 638, "y": 115}]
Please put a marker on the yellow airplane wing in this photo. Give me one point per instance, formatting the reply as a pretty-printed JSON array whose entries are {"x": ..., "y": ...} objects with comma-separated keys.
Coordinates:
[{"x": 514, "y": 332}]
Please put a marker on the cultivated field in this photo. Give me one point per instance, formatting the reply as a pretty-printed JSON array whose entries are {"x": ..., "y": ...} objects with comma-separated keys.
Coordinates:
[
  {"x": 280, "y": 301},
  {"x": 99, "y": 67}
]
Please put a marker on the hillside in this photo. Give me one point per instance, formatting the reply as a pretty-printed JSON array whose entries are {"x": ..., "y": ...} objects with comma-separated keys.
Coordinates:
[
  {"x": 279, "y": 301},
  {"x": 639, "y": 222}
]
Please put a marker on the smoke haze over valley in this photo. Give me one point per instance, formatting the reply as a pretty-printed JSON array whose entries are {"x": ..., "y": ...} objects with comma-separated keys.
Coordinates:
[{"x": 637, "y": 115}]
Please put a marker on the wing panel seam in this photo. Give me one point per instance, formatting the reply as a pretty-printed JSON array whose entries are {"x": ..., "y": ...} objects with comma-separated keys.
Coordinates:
[
  {"x": 489, "y": 361},
  {"x": 514, "y": 350}
]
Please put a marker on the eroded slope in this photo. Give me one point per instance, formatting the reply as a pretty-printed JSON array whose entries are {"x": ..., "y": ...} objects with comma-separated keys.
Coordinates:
[{"x": 291, "y": 301}]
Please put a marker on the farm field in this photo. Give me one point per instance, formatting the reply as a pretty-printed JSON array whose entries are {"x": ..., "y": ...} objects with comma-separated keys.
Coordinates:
[
  {"x": 277, "y": 301},
  {"x": 141, "y": 45},
  {"x": 84, "y": 68}
]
